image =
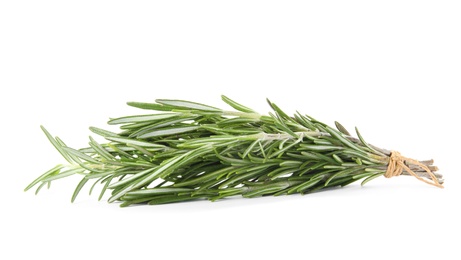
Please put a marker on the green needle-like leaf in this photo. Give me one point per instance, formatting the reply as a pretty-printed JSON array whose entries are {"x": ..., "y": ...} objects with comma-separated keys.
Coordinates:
[
  {"x": 140, "y": 118},
  {"x": 150, "y": 106},
  {"x": 52, "y": 171},
  {"x": 135, "y": 142},
  {"x": 102, "y": 132},
  {"x": 341, "y": 128},
  {"x": 79, "y": 188},
  {"x": 371, "y": 177},
  {"x": 181, "y": 104},
  {"x": 236, "y": 105},
  {"x": 169, "y": 131},
  {"x": 56, "y": 145}
]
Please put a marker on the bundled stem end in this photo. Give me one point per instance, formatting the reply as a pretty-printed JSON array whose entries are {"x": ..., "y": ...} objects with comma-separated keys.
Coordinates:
[
  {"x": 189, "y": 151},
  {"x": 398, "y": 164}
]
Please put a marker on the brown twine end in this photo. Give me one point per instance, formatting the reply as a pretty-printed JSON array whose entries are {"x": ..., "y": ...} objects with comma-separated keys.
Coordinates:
[{"x": 397, "y": 165}]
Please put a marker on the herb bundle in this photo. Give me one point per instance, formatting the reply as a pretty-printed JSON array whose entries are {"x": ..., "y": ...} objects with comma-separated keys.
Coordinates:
[{"x": 191, "y": 151}]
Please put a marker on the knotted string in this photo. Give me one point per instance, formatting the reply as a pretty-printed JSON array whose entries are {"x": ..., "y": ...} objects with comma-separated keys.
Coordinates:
[{"x": 397, "y": 165}]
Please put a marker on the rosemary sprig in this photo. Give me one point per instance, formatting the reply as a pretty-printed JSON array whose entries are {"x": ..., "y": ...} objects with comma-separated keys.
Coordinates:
[{"x": 194, "y": 151}]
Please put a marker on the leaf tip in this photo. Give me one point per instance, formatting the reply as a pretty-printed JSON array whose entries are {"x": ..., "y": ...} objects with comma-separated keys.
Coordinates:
[
  {"x": 269, "y": 102},
  {"x": 44, "y": 129}
]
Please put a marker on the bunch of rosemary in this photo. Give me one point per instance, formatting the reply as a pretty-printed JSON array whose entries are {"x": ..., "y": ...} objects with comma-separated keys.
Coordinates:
[{"x": 192, "y": 151}]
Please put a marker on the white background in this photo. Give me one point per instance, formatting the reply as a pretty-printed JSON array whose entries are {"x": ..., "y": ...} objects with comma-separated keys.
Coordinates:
[{"x": 389, "y": 67}]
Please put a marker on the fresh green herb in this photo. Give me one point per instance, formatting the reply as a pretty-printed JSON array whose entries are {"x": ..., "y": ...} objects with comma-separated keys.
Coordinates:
[{"x": 192, "y": 151}]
